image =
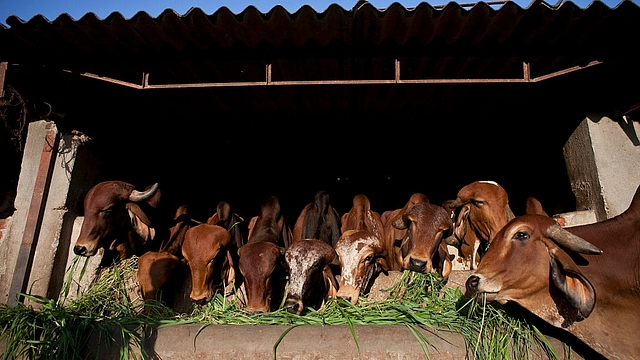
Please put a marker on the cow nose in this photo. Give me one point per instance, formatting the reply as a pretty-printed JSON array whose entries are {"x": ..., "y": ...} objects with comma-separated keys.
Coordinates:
[
  {"x": 200, "y": 302},
  {"x": 292, "y": 307},
  {"x": 417, "y": 265},
  {"x": 347, "y": 298},
  {"x": 80, "y": 250},
  {"x": 472, "y": 284}
]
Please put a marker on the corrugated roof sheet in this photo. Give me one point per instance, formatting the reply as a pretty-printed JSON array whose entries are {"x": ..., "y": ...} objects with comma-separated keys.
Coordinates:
[{"x": 433, "y": 43}]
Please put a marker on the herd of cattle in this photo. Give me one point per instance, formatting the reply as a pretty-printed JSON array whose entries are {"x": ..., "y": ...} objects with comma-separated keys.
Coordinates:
[{"x": 584, "y": 279}]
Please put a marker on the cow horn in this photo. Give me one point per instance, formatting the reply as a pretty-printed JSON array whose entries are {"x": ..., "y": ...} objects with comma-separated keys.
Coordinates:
[
  {"x": 455, "y": 203},
  {"x": 571, "y": 241},
  {"x": 143, "y": 195}
]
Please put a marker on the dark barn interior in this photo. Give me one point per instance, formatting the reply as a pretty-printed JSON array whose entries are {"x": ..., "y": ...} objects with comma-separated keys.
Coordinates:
[{"x": 461, "y": 111}]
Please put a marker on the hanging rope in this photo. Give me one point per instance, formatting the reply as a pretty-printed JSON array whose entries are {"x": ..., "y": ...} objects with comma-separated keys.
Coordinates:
[{"x": 13, "y": 112}]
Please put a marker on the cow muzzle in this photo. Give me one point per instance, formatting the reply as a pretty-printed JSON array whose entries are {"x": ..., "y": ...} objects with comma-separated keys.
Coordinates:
[
  {"x": 349, "y": 293},
  {"x": 85, "y": 250},
  {"x": 293, "y": 305},
  {"x": 476, "y": 284},
  {"x": 471, "y": 285},
  {"x": 419, "y": 266}
]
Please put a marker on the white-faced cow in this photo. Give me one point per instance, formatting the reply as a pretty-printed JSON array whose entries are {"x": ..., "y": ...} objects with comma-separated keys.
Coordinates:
[
  {"x": 262, "y": 258},
  {"x": 584, "y": 279},
  {"x": 318, "y": 220},
  {"x": 393, "y": 235},
  {"x": 481, "y": 210},
  {"x": 116, "y": 217},
  {"x": 311, "y": 279},
  {"x": 361, "y": 250},
  {"x": 422, "y": 248}
]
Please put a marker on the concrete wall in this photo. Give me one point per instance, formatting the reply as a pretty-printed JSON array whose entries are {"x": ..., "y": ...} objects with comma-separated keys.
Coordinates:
[
  {"x": 603, "y": 163},
  {"x": 191, "y": 342},
  {"x": 37, "y": 235}
]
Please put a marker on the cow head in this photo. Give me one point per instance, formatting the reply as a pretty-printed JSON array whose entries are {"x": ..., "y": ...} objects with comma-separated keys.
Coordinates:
[
  {"x": 113, "y": 219},
  {"x": 262, "y": 269},
  {"x": 393, "y": 235},
  {"x": 361, "y": 253},
  {"x": 155, "y": 270},
  {"x": 481, "y": 210},
  {"x": 311, "y": 280},
  {"x": 527, "y": 264},
  {"x": 427, "y": 225},
  {"x": 205, "y": 250}
]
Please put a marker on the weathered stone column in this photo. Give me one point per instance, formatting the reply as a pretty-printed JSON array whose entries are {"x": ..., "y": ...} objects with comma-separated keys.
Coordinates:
[
  {"x": 38, "y": 235},
  {"x": 603, "y": 164}
]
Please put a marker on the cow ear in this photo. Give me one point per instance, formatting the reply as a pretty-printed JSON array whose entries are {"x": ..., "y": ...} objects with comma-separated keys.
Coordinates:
[
  {"x": 400, "y": 224},
  {"x": 566, "y": 276},
  {"x": 140, "y": 223},
  {"x": 224, "y": 211},
  {"x": 135, "y": 210},
  {"x": 214, "y": 219},
  {"x": 250, "y": 226},
  {"x": 459, "y": 227},
  {"x": 330, "y": 282},
  {"x": 230, "y": 272},
  {"x": 336, "y": 259},
  {"x": 445, "y": 260},
  {"x": 508, "y": 214}
]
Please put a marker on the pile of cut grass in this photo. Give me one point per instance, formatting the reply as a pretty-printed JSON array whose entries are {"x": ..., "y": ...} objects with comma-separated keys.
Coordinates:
[{"x": 419, "y": 301}]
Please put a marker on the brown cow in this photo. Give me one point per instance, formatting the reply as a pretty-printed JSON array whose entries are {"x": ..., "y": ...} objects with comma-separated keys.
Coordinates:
[
  {"x": 393, "y": 235},
  {"x": 116, "y": 217},
  {"x": 262, "y": 258},
  {"x": 166, "y": 268},
  {"x": 422, "y": 248},
  {"x": 583, "y": 279},
  {"x": 318, "y": 220},
  {"x": 311, "y": 280},
  {"x": 206, "y": 249},
  {"x": 361, "y": 250},
  {"x": 482, "y": 209},
  {"x": 158, "y": 268}
]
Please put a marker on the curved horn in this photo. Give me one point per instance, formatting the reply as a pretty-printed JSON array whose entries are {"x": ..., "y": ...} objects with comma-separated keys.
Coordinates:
[
  {"x": 455, "y": 203},
  {"x": 571, "y": 241},
  {"x": 143, "y": 195}
]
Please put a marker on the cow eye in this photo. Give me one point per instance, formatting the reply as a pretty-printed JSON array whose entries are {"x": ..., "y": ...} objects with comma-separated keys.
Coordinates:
[
  {"x": 477, "y": 203},
  {"x": 521, "y": 235}
]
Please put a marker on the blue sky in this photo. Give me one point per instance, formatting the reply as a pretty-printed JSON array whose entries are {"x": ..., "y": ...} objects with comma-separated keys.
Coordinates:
[{"x": 51, "y": 9}]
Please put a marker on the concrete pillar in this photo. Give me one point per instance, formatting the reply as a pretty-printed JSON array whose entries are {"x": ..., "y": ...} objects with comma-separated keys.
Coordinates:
[
  {"x": 30, "y": 252},
  {"x": 603, "y": 164}
]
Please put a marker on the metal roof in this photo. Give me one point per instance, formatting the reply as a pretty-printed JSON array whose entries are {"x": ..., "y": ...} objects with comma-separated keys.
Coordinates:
[
  {"x": 424, "y": 43},
  {"x": 443, "y": 79}
]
